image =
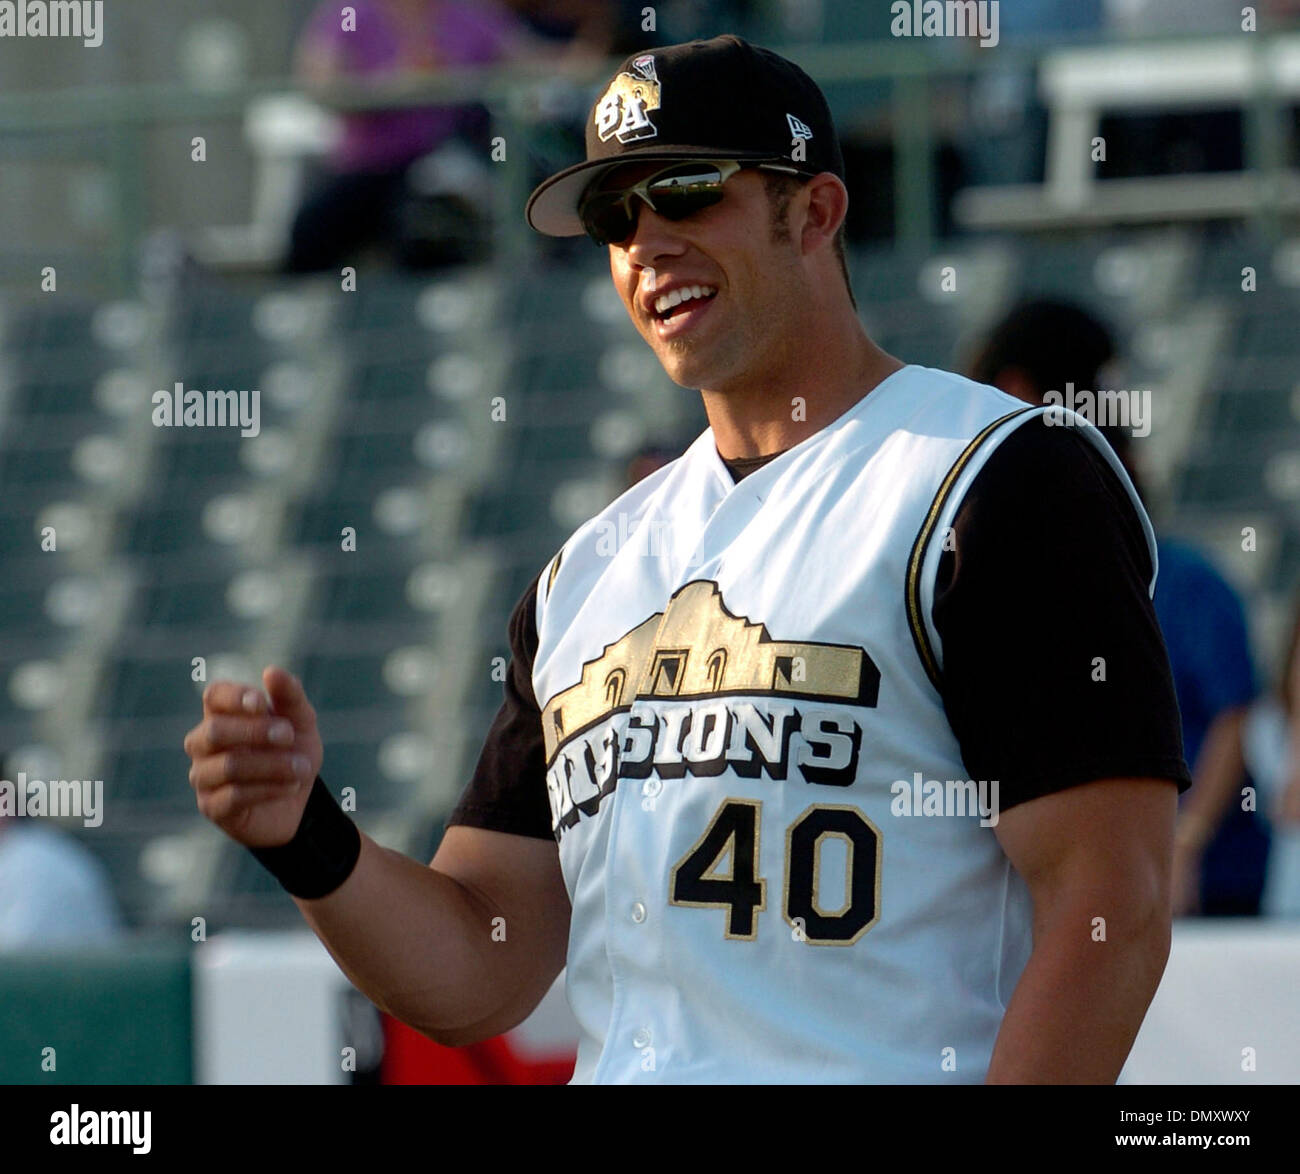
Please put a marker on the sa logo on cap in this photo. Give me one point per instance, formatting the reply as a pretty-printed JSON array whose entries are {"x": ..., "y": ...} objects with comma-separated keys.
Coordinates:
[{"x": 624, "y": 109}]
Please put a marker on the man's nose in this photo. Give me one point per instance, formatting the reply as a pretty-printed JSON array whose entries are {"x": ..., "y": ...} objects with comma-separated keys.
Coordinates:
[{"x": 652, "y": 234}]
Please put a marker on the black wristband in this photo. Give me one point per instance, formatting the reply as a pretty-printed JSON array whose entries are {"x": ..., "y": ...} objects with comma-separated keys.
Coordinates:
[{"x": 322, "y": 853}]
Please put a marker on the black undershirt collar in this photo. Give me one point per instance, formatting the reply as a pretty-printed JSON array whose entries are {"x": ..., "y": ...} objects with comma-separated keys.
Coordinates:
[{"x": 741, "y": 467}]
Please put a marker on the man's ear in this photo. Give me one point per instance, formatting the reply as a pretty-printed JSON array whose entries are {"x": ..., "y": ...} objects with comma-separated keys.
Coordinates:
[{"x": 824, "y": 202}]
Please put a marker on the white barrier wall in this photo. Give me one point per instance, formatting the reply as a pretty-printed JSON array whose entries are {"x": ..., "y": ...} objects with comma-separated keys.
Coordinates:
[
  {"x": 269, "y": 1010},
  {"x": 1230, "y": 986}
]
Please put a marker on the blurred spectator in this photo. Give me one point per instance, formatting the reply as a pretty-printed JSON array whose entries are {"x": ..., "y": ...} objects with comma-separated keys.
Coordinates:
[
  {"x": 1271, "y": 756},
  {"x": 370, "y": 194},
  {"x": 588, "y": 31},
  {"x": 585, "y": 32},
  {"x": 53, "y": 892},
  {"x": 1039, "y": 347},
  {"x": 1261, "y": 744},
  {"x": 1209, "y": 646}
]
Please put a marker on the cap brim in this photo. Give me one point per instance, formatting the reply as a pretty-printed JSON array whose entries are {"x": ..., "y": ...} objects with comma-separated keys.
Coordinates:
[{"x": 552, "y": 209}]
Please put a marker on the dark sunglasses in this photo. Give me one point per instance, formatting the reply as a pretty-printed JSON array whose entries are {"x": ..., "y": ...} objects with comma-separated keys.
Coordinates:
[{"x": 676, "y": 192}]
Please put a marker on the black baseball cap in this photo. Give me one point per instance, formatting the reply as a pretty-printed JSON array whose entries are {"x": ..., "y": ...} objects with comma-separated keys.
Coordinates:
[{"x": 717, "y": 99}]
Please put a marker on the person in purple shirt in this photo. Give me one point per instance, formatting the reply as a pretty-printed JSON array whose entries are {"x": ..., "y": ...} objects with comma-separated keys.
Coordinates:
[{"x": 364, "y": 195}]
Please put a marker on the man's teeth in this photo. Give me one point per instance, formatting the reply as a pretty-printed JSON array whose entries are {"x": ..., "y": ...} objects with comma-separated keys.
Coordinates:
[{"x": 684, "y": 294}]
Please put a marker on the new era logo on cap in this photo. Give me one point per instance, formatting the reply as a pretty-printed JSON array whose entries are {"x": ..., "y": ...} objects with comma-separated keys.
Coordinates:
[{"x": 798, "y": 130}]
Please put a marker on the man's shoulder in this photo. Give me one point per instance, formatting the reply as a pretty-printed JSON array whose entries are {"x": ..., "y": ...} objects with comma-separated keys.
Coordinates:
[
  {"x": 992, "y": 443},
  {"x": 953, "y": 384},
  {"x": 947, "y": 405},
  {"x": 1040, "y": 442},
  {"x": 1041, "y": 466}
]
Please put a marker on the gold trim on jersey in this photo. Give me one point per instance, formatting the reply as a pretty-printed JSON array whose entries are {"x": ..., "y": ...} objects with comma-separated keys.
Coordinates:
[
  {"x": 555, "y": 570},
  {"x": 915, "y": 619}
]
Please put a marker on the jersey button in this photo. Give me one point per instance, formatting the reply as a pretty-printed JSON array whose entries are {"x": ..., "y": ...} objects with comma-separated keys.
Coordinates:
[
  {"x": 642, "y": 1038},
  {"x": 638, "y": 912},
  {"x": 651, "y": 787}
]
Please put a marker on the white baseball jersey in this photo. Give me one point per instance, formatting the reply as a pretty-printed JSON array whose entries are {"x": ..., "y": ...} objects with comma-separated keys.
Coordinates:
[{"x": 735, "y": 680}]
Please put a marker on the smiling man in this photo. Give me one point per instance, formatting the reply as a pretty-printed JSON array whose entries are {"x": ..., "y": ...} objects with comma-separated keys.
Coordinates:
[{"x": 867, "y": 575}]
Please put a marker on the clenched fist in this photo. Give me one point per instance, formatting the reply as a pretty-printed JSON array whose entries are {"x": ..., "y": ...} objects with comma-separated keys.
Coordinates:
[{"x": 254, "y": 762}]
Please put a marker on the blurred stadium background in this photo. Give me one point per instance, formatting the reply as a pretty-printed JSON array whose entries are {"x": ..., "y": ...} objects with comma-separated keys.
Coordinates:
[{"x": 181, "y": 543}]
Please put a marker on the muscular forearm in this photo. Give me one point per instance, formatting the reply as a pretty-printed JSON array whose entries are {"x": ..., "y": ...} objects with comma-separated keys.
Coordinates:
[
  {"x": 421, "y": 946},
  {"x": 1079, "y": 1003}
]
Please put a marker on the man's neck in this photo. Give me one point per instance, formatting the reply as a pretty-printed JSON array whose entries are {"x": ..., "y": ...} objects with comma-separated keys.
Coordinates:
[{"x": 780, "y": 414}]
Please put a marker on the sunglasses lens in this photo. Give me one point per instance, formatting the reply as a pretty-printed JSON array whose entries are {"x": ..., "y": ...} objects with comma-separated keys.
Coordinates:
[
  {"x": 677, "y": 193},
  {"x": 685, "y": 180},
  {"x": 605, "y": 220},
  {"x": 674, "y": 193}
]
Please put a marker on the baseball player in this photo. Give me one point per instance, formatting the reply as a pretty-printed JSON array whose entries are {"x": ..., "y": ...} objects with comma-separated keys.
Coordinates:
[{"x": 842, "y": 748}]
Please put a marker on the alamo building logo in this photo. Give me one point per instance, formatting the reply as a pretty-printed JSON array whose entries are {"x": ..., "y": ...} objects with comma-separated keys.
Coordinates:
[
  {"x": 724, "y": 695},
  {"x": 624, "y": 111}
]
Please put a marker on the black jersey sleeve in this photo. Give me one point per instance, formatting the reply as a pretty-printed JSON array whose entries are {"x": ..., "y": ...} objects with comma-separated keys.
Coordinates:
[
  {"x": 507, "y": 792},
  {"x": 1054, "y": 671}
]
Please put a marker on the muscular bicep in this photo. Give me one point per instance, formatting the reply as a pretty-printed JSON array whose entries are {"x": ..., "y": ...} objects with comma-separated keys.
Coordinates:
[
  {"x": 518, "y": 880},
  {"x": 1106, "y": 844}
]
